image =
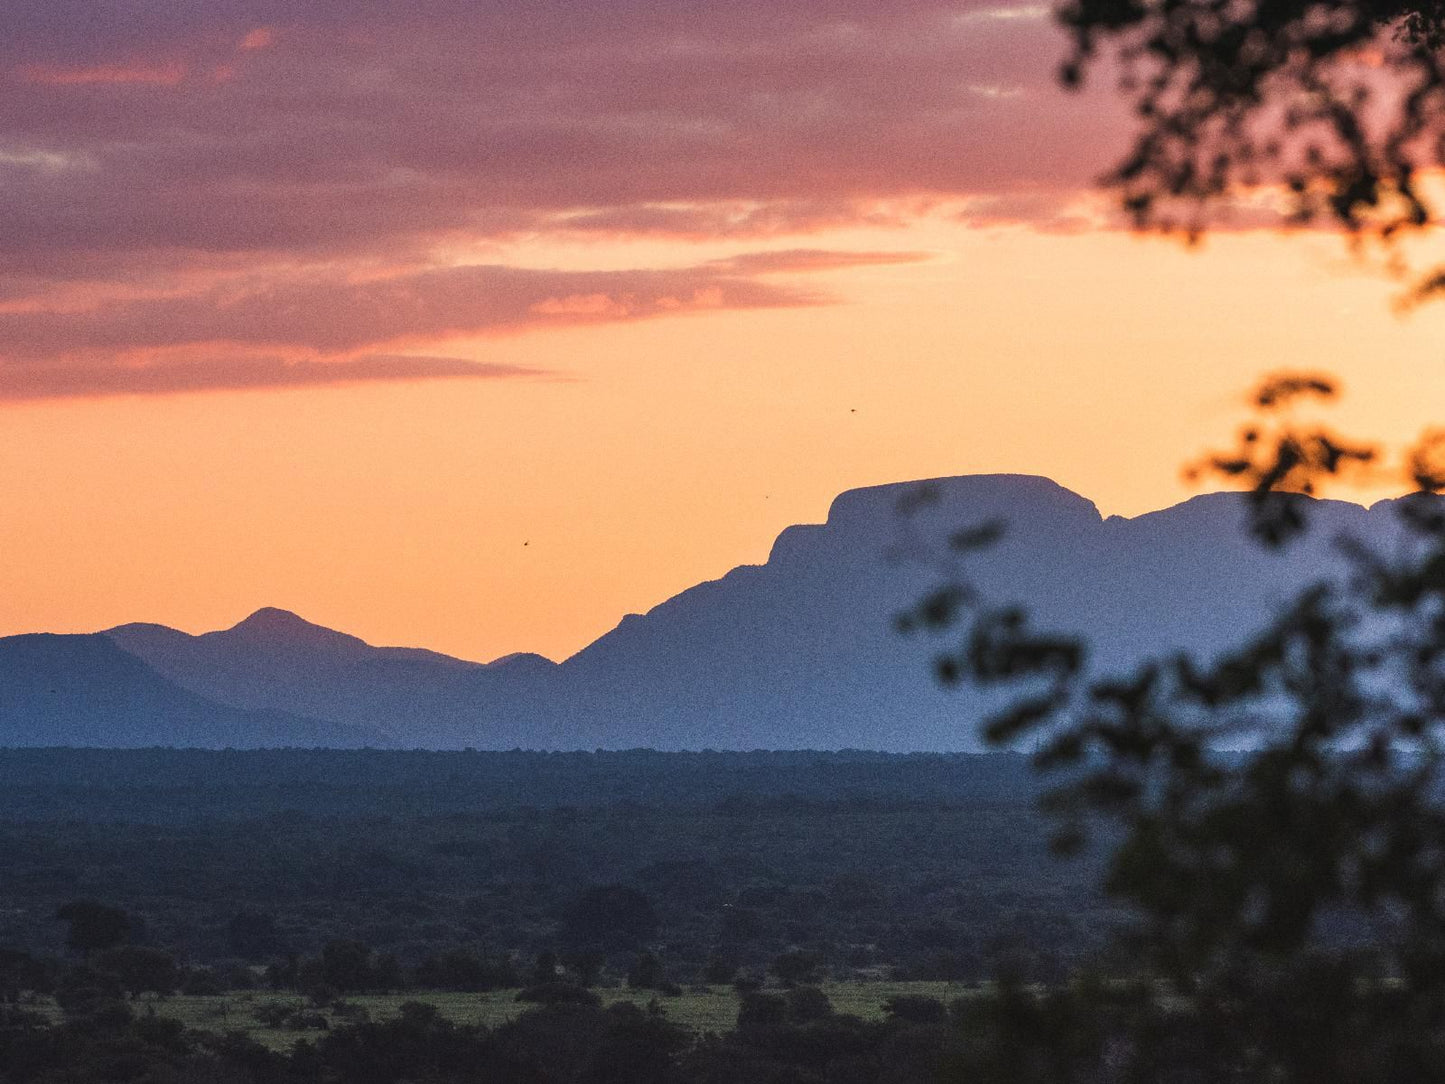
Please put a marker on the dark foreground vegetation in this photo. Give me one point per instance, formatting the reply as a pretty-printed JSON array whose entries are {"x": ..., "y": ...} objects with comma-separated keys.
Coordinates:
[{"x": 792, "y": 1036}]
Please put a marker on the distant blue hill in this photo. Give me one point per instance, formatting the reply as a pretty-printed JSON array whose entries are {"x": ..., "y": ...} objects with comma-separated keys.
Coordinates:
[
  {"x": 799, "y": 652},
  {"x": 86, "y": 691},
  {"x": 274, "y": 660}
]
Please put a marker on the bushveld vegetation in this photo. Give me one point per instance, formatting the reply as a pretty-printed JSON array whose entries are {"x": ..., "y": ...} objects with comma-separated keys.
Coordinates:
[
  {"x": 791, "y": 917},
  {"x": 910, "y": 867}
]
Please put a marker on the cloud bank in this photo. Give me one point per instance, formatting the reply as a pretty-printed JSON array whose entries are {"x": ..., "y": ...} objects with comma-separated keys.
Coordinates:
[{"x": 257, "y": 175}]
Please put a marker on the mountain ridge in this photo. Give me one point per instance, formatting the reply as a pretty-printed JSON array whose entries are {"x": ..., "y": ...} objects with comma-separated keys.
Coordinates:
[
  {"x": 796, "y": 652},
  {"x": 86, "y": 690}
]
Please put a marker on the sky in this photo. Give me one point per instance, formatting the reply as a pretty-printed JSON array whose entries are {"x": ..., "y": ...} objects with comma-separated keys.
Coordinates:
[{"x": 478, "y": 326}]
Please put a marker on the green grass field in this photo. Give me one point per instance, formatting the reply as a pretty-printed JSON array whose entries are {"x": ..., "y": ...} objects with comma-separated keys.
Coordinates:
[{"x": 713, "y": 1009}]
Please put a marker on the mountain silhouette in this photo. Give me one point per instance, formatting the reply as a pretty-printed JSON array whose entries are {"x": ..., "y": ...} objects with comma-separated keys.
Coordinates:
[
  {"x": 85, "y": 690},
  {"x": 275, "y": 660},
  {"x": 798, "y": 652},
  {"x": 801, "y": 652}
]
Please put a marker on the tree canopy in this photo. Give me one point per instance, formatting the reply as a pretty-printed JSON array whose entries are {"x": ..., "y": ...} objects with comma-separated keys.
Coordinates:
[{"x": 1308, "y": 111}]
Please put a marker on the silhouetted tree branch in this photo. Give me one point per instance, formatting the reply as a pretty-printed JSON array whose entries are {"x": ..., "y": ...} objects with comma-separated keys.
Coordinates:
[
  {"x": 1274, "y": 814},
  {"x": 1322, "y": 111}
]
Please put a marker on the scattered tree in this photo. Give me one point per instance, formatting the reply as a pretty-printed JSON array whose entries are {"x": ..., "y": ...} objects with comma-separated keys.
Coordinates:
[
  {"x": 610, "y": 918},
  {"x": 646, "y": 972},
  {"x": 94, "y": 926},
  {"x": 797, "y": 966},
  {"x": 140, "y": 970}
]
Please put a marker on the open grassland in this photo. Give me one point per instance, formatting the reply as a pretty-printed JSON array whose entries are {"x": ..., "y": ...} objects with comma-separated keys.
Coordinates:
[{"x": 700, "y": 1009}]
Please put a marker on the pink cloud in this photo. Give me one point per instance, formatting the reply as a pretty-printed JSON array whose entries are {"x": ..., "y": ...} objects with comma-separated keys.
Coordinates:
[
  {"x": 160, "y": 75},
  {"x": 331, "y": 314},
  {"x": 356, "y": 128},
  {"x": 268, "y": 178},
  {"x": 618, "y": 308},
  {"x": 309, "y": 328},
  {"x": 167, "y": 378},
  {"x": 814, "y": 259},
  {"x": 261, "y": 38}
]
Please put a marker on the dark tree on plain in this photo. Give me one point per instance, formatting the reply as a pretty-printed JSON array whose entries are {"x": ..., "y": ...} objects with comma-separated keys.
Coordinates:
[
  {"x": 254, "y": 935},
  {"x": 797, "y": 966},
  {"x": 141, "y": 970},
  {"x": 94, "y": 926},
  {"x": 610, "y": 918}
]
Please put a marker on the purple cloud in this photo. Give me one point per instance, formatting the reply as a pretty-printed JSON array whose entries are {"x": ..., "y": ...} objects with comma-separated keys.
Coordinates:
[
  {"x": 343, "y": 129},
  {"x": 284, "y": 179},
  {"x": 330, "y": 314},
  {"x": 329, "y": 327},
  {"x": 91, "y": 381}
]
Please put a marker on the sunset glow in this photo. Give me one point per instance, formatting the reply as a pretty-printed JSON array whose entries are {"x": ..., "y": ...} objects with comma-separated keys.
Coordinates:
[{"x": 480, "y": 326}]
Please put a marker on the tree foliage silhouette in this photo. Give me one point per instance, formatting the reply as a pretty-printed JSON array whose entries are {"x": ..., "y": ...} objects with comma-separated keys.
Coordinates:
[
  {"x": 1322, "y": 111},
  {"x": 1274, "y": 814}
]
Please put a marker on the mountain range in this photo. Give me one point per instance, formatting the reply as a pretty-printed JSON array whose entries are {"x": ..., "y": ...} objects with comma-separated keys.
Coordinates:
[{"x": 799, "y": 652}]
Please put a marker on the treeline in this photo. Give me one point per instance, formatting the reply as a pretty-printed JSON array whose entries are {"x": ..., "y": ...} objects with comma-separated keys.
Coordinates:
[
  {"x": 109, "y": 1029},
  {"x": 606, "y": 935},
  {"x": 914, "y": 889},
  {"x": 180, "y": 785},
  {"x": 343, "y": 968}
]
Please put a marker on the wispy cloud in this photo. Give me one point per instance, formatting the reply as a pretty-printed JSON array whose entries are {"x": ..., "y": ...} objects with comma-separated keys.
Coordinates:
[
  {"x": 327, "y": 328},
  {"x": 237, "y": 374},
  {"x": 332, "y": 314},
  {"x": 813, "y": 259},
  {"x": 1006, "y": 12},
  {"x": 142, "y": 74}
]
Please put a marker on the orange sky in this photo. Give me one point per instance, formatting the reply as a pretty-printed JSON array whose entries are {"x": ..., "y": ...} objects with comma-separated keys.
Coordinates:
[
  {"x": 510, "y": 339},
  {"x": 530, "y": 514}
]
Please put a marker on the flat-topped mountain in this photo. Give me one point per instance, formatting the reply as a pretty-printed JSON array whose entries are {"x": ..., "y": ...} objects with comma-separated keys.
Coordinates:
[{"x": 799, "y": 652}]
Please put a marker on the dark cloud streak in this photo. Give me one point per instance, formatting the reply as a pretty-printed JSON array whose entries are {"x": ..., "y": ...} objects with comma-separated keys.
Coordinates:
[
  {"x": 228, "y": 336},
  {"x": 95, "y": 381},
  {"x": 331, "y": 315}
]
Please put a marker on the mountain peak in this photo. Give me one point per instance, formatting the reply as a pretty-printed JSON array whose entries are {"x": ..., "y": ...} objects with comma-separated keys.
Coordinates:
[
  {"x": 272, "y": 617},
  {"x": 521, "y": 660},
  {"x": 284, "y": 628},
  {"x": 993, "y": 494}
]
